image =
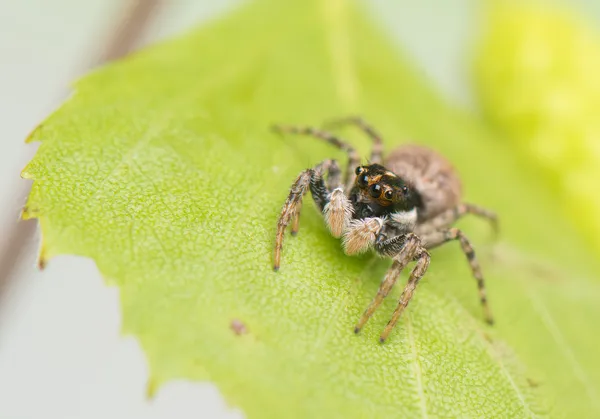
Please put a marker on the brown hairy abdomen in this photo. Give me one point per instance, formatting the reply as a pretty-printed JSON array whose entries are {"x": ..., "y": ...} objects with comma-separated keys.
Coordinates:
[{"x": 430, "y": 174}]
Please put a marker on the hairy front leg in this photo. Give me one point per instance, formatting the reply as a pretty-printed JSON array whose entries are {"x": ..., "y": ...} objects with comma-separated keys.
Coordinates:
[{"x": 290, "y": 213}]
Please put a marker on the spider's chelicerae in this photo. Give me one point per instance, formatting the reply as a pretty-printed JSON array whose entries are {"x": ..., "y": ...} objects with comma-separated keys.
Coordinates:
[{"x": 401, "y": 207}]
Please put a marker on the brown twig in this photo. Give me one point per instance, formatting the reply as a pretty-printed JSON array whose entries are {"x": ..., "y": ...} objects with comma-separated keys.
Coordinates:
[{"x": 135, "y": 18}]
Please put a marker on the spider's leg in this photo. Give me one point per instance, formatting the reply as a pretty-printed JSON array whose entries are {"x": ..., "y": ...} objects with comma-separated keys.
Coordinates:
[
  {"x": 290, "y": 210},
  {"x": 353, "y": 157},
  {"x": 296, "y": 219},
  {"x": 440, "y": 237},
  {"x": 481, "y": 212},
  {"x": 417, "y": 273},
  {"x": 448, "y": 217},
  {"x": 290, "y": 213},
  {"x": 334, "y": 176},
  {"x": 377, "y": 151},
  {"x": 410, "y": 245},
  {"x": 333, "y": 182},
  {"x": 321, "y": 190}
]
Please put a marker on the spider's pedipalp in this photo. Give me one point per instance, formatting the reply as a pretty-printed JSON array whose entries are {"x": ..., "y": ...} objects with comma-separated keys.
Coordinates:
[
  {"x": 361, "y": 235},
  {"x": 338, "y": 212}
]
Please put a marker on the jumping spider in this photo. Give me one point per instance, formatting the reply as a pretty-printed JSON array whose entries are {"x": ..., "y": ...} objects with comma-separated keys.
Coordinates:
[{"x": 401, "y": 209}]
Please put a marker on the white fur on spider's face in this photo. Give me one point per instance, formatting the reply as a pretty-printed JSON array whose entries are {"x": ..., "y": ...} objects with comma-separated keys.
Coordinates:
[
  {"x": 404, "y": 221},
  {"x": 361, "y": 234},
  {"x": 338, "y": 212}
]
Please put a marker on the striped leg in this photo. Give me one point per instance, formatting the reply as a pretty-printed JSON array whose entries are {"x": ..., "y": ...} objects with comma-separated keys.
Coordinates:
[
  {"x": 377, "y": 151},
  {"x": 438, "y": 238},
  {"x": 333, "y": 182},
  {"x": 353, "y": 157},
  {"x": 481, "y": 212},
  {"x": 290, "y": 213},
  {"x": 415, "y": 276},
  {"x": 402, "y": 258},
  {"x": 296, "y": 219},
  {"x": 447, "y": 218}
]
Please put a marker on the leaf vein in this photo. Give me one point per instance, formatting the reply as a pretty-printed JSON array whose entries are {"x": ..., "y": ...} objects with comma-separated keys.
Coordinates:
[{"x": 417, "y": 368}]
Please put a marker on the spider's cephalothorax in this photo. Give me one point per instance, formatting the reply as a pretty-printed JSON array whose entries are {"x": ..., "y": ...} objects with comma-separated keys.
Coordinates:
[
  {"x": 400, "y": 208},
  {"x": 379, "y": 192}
]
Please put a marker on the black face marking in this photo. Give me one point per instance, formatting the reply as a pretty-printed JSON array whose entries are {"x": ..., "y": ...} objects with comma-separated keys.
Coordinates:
[{"x": 372, "y": 181}]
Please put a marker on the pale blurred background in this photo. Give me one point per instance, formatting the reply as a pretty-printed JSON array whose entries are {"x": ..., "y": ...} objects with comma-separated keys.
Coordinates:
[{"x": 61, "y": 354}]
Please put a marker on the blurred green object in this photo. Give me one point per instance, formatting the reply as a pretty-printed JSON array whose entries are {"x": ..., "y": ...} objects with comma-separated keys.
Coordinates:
[{"x": 537, "y": 74}]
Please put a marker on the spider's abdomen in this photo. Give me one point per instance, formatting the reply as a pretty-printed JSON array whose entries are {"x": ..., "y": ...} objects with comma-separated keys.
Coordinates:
[{"x": 434, "y": 178}]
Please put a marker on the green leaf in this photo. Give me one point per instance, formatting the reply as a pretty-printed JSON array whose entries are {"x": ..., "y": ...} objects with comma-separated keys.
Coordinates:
[{"x": 161, "y": 168}]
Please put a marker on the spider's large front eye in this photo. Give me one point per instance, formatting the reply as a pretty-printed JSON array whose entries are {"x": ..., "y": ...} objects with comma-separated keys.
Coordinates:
[
  {"x": 363, "y": 180},
  {"x": 359, "y": 170},
  {"x": 375, "y": 190}
]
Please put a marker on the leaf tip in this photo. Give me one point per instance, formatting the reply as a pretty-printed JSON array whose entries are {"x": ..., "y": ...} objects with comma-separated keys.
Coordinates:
[
  {"x": 42, "y": 258},
  {"x": 151, "y": 387},
  {"x": 25, "y": 213},
  {"x": 31, "y": 137}
]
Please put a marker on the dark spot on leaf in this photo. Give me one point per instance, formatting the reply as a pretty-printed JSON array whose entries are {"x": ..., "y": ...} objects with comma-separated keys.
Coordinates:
[{"x": 238, "y": 327}]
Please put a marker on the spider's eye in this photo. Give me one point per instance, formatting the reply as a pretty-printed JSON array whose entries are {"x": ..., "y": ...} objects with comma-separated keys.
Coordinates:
[
  {"x": 405, "y": 189},
  {"x": 363, "y": 180},
  {"x": 389, "y": 195},
  {"x": 375, "y": 190},
  {"x": 358, "y": 170}
]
